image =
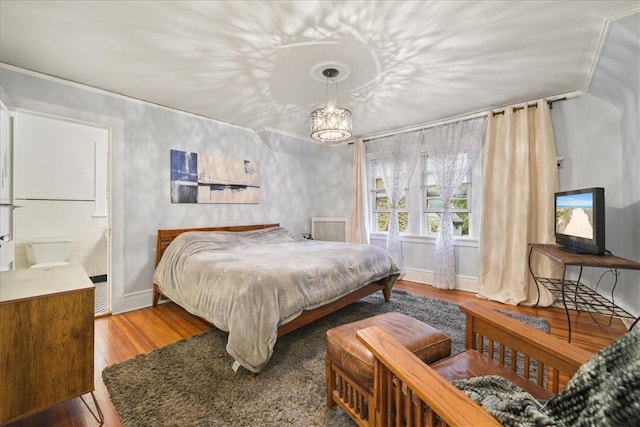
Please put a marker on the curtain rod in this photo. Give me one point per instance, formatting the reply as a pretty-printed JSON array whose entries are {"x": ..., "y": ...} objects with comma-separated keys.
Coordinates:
[
  {"x": 426, "y": 126},
  {"x": 535, "y": 104},
  {"x": 559, "y": 97}
]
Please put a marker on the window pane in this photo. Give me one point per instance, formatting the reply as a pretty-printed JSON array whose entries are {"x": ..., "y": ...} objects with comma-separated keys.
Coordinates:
[
  {"x": 403, "y": 221},
  {"x": 458, "y": 200},
  {"x": 460, "y": 223},
  {"x": 461, "y": 192},
  {"x": 433, "y": 223},
  {"x": 382, "y": 221},
  {"x": 435, "y": 203},
  {"x": 382, "y": 202},
  {"x": 458, "y": 204},
  {"x": 379, "y": 184},
  {"x": 433, "y": 192},
  {"x": 402, "y": 204}
]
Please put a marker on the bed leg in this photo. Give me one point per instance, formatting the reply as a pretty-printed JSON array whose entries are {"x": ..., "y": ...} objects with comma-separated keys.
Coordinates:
[
  {"x": 156, "y": 295},
  {"x": 386, "y": 290}
]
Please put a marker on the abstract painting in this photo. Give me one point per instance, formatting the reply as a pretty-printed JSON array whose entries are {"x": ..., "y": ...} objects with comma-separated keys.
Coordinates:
[{"x": 200, "y": 178}]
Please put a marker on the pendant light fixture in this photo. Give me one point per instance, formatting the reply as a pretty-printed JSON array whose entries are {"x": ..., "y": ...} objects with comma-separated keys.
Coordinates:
[{"x": 330, "y": 123}]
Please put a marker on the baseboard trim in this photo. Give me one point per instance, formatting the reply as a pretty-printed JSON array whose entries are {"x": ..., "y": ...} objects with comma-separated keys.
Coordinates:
[
  {"x": 132, "y": 301},
  {"x": 463, "y": 283}
]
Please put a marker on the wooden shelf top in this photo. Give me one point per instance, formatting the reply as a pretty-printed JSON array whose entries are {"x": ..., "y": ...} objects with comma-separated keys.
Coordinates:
[{"x": 570, "y": 258}]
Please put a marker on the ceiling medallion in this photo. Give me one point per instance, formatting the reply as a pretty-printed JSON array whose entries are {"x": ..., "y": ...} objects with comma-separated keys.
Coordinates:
[{"x": 330, "y": 123}]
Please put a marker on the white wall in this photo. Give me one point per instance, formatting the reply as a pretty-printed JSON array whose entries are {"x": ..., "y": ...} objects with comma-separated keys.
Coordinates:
[
  {"x": 61, "y": 218},
  {"x": 588, "y": 136},
  {"x": 598, "y": 135},
  {"x": 299, "y": 179}
]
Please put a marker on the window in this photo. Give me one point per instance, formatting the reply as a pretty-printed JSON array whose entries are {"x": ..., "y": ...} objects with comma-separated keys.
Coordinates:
[
  {"x": 432, "y": 205},
  {"x": 420, "y": 211},
  {"x": 381, "y": 206}
]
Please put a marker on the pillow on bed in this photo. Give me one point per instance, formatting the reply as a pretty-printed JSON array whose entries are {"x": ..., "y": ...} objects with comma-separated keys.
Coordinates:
[
  {"x": 272, "y": 235},
  {"x": 229, "y": 239}
]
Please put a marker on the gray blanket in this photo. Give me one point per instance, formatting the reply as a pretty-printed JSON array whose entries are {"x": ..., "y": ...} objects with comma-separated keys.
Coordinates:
[
  {"x": 604, "y": 392},
  {"x": 250, "y": 283}
]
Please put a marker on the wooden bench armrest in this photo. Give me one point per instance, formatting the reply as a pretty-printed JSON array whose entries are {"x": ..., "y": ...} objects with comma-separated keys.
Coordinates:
[
  {"x": 551, "y": 351},
  {"x": 442, "y": 397}
]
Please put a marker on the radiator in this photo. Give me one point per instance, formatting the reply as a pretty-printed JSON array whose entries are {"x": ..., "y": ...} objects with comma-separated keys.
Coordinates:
[{"x": 335, "y": 229}]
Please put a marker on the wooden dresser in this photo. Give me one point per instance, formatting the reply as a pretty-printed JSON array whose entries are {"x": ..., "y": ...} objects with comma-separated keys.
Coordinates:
[{"x": 46, "y": 339}]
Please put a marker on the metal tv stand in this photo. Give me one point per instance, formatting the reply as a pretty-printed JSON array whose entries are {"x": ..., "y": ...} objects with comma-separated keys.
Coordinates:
[{"x": 584, "y": 298}]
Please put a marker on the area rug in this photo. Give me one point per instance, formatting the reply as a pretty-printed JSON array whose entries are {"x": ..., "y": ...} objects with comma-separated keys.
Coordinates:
[{"x": 191, "y": 383}]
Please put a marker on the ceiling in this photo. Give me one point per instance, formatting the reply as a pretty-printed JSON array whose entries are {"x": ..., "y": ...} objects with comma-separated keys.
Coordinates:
[{"x": 251, "y": 63}]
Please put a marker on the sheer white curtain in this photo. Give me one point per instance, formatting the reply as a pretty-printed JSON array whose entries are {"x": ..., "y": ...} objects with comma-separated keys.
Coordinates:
[
  {"x": 396, "y": 157},
  {"x": 452, "y": 149},
  {"x": 359, "y": 232},
  {"x": 520, "y": 179}
]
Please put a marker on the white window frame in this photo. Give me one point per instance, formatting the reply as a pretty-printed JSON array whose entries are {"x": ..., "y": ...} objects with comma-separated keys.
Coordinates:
[
  {"x": 425, "y": 183},
  {"x": 417, "y": 229},
  {"x": 374, "y": 211}
]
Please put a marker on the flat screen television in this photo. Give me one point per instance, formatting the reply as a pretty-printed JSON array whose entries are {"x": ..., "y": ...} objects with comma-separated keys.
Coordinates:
[{"x": 580, "y": 220}]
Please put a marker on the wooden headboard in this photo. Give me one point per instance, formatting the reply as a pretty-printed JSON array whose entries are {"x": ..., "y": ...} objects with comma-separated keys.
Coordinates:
[{"x": 166, "y": 236}]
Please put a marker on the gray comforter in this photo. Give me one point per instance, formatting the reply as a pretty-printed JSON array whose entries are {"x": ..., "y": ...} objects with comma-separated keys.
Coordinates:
[{"x": 251, "y": 282}]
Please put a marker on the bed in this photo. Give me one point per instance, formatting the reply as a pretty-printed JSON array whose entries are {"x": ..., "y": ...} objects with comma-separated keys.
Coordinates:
[{"x": 259, "y": 282}]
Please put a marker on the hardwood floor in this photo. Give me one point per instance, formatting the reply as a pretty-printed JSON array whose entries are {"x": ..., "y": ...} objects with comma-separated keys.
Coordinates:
[{"x": 123, "y": 336}]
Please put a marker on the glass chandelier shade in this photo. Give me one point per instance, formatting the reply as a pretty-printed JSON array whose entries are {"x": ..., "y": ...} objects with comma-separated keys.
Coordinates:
[{"x": 330, "y": 123}]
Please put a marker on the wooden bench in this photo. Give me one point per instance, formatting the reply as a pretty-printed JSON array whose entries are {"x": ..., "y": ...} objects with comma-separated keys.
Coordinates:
[{"x": 409, "y": 392}]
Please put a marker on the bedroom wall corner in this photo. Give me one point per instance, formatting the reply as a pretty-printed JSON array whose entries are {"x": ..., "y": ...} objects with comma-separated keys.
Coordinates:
[{"x": 598, "y": 135}]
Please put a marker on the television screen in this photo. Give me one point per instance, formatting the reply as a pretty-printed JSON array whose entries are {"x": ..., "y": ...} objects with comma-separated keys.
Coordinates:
[
  {"x": 574, "y": 215},
  {"x": 580, "y": 220}
]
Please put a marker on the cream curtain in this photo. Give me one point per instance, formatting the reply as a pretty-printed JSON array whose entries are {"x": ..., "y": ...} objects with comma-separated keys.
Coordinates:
[
  {"x": 359, "y": 232},
  {"x": 520, "y": 178},
  {"x": 453, "y": 148},
  {"x": 397, "y": 156}
]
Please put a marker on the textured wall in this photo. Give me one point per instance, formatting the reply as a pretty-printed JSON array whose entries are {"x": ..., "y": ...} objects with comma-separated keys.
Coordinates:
[
  {"x": 300, "y": 179},
  {"x": 59, "y": 218},
  {"x": 598, "y": 136}
]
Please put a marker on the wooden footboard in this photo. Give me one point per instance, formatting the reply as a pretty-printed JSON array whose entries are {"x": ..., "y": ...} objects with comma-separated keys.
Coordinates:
[{"x": 309, "y": 316}]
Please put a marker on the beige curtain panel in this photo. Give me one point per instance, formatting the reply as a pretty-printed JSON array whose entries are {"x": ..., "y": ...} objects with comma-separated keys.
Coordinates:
[
  {"x": 359, "y": 232},
  {"x": 520, "y": 179}
]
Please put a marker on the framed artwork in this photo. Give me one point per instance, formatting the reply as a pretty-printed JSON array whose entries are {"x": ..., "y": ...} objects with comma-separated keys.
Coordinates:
[{"x": 200, "y": 178}]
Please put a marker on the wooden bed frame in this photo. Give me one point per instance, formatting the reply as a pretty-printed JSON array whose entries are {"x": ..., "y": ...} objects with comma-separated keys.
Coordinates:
[{"x": 165, "y": 237}]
